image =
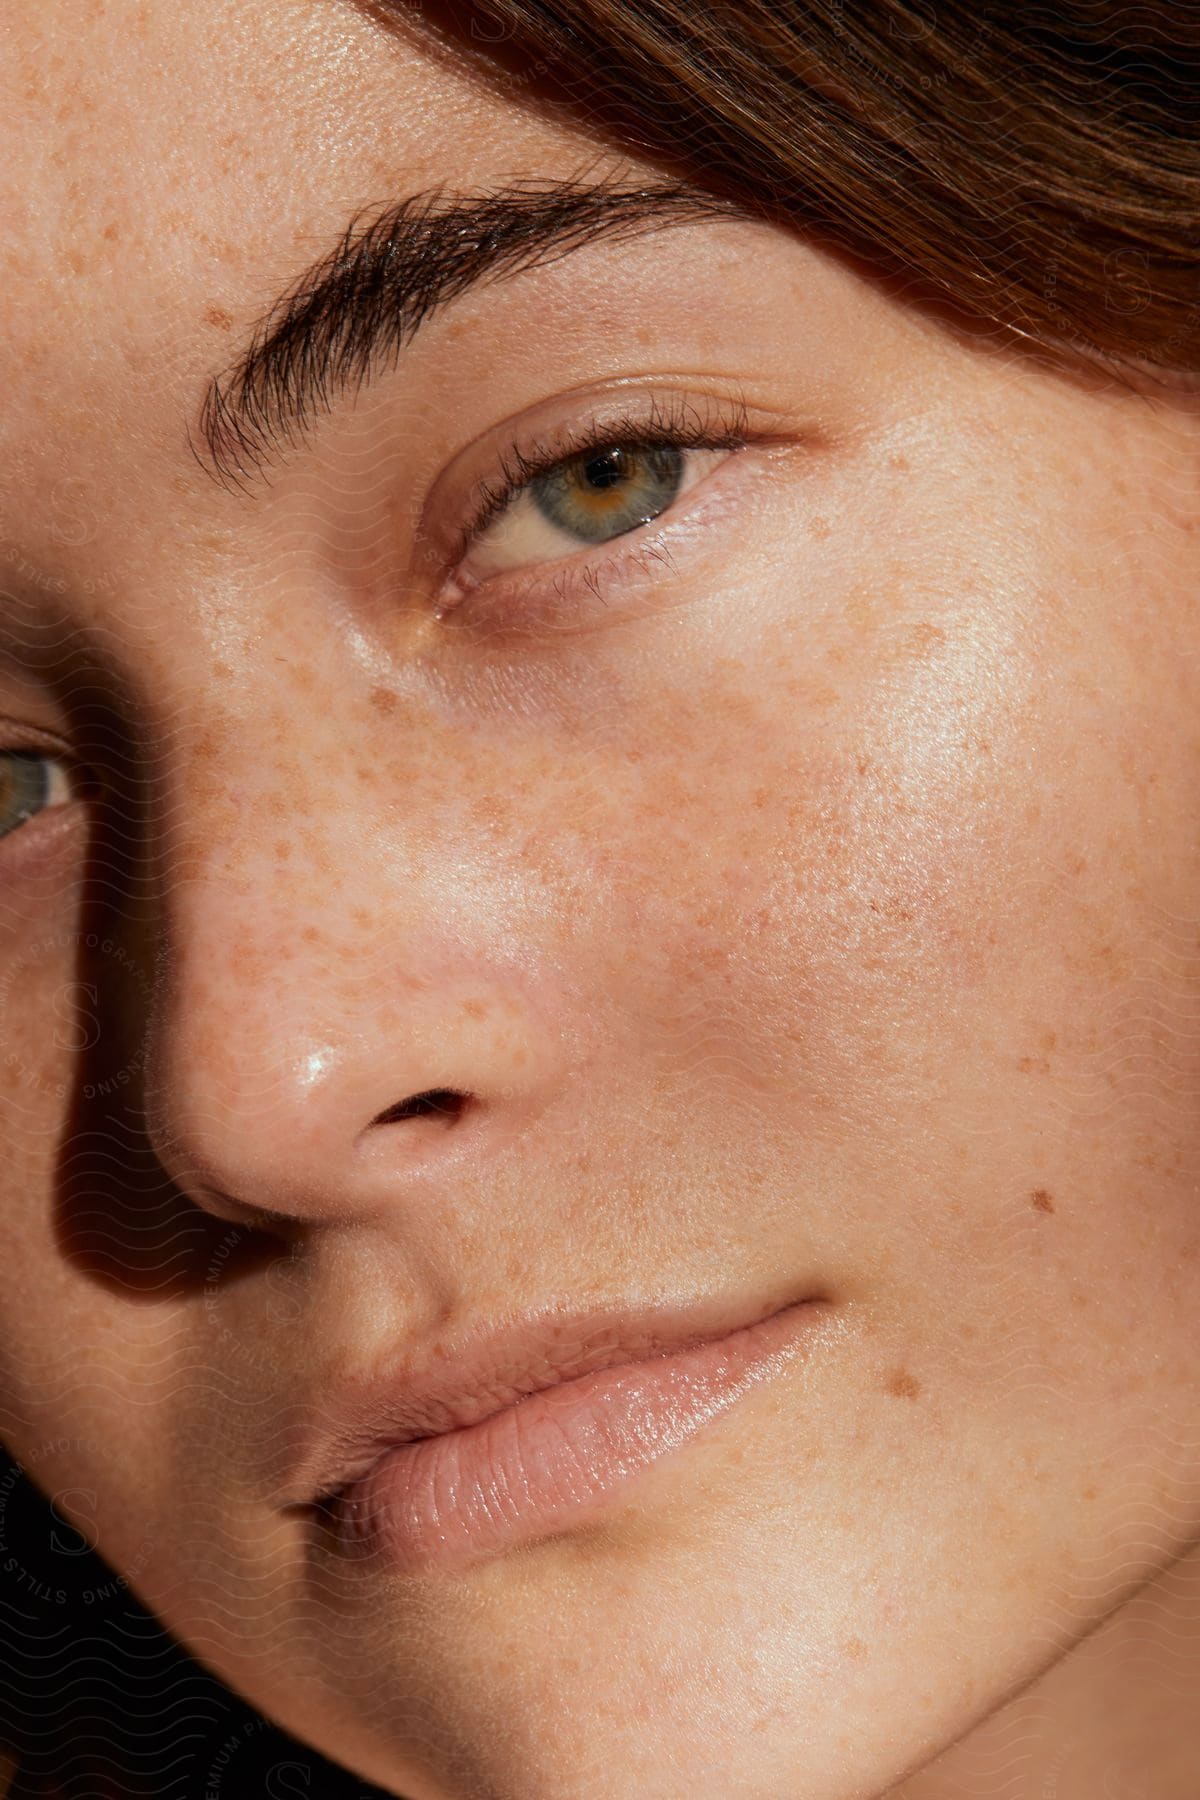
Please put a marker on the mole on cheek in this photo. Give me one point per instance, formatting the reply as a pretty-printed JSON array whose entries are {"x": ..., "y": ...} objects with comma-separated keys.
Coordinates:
[
  {"x": 902, "y": 1384},
  {"x": 1042, "y": 1200}
]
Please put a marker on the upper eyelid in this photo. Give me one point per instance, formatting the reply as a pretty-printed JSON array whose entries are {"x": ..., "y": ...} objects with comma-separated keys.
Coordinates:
[{"x": 18, "y": 736}]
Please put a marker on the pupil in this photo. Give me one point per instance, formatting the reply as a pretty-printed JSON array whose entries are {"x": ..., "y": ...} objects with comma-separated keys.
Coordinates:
[{"x": 606, "y": 470}]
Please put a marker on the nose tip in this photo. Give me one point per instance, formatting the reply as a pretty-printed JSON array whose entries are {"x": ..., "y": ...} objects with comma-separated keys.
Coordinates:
[
  {"x": 296, "y": 1092},
  {"x": 268, "y": 1197}
]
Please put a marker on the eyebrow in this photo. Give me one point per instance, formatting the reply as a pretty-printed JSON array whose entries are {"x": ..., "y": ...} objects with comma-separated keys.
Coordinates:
[{"x": 351, "y": 313}]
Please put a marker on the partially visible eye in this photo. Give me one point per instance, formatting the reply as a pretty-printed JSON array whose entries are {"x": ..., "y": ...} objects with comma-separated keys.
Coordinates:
[
  {"x": 32, "y": 782},
  {"x": 591, "y": 497},
  {"x": 543, "y": 520}
]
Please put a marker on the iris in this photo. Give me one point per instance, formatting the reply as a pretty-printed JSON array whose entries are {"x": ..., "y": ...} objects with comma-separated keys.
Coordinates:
[{"x": 603, "y": 493}]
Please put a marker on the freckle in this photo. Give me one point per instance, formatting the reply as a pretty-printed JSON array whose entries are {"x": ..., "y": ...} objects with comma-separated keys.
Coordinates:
[
  {"x": 811, "y": 693},
  {"x": 112, "y": 232},
  {"x": 282, "y": 850},
  {"x": 1048, "y": 1040},
  {"x": 1033, "y": 1065},
  {"x": 854, "y": 1649},
  {"x": 925, "y": 637},
  {"x": 217, "y": 315},
  {"x": 898, "y": 460},
  {"x": 383, "y": 700},
  {"x": 310, "y": 934},
  {"x": 1042, "y": 1200},
  {"x": 475, "y": 1009},
  {"x": 819, "y": 528},
  {"x": 903, "y": 1385},
  {"x": 1089, "y": 1493}
]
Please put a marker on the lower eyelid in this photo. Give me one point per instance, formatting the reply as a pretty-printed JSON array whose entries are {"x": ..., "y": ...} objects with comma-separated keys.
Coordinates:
[{"x": 34, "y": 849}]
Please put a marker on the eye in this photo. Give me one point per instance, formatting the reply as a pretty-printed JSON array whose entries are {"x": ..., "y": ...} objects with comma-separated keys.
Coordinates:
[
  {"x": 589, "y": 498},
  {"x": 31, "y": 782}
]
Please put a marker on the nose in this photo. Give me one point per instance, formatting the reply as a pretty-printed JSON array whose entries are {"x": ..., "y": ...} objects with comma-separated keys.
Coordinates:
[{"x": 317, "y": 1046}]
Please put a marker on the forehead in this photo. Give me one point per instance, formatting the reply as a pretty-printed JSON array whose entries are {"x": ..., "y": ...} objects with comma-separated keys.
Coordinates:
[{"x": 167, "y": 170}]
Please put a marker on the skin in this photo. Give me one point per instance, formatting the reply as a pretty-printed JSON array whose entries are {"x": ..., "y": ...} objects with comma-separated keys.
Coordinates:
[{"x": 819, "y": 913}]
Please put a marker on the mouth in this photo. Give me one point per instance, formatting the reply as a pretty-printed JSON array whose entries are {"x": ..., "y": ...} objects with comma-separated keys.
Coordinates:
[{"x": 538, "y": 1431}]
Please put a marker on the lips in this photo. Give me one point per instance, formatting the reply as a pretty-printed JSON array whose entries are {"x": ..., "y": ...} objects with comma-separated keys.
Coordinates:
[{"x": 488, "y": 1369}]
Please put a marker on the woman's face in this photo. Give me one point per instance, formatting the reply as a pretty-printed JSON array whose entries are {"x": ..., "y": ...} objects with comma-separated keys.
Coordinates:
[{"x": 799, "y": 885}]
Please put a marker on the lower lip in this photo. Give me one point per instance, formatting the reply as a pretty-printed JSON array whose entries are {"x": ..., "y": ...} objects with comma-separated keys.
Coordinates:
[{"x": 551, "y": 1461}]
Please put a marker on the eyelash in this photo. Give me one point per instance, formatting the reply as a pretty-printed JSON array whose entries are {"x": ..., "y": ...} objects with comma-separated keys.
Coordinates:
[{"x": 674, "y": 424}]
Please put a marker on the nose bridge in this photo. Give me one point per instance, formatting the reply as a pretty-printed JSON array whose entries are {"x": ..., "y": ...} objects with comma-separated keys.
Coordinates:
[{"x": 315, "y": 975}]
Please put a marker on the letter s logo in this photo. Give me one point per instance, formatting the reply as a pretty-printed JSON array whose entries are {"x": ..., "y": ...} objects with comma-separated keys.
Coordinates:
[
  {"x": 82, "y": 1026},
  {"x": 82, "y": 1500},
  {"x": 279, "y": 1783}
]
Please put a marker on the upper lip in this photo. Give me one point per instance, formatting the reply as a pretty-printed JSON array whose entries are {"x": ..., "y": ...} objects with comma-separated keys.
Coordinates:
[{"x": 487, "y": 1367}]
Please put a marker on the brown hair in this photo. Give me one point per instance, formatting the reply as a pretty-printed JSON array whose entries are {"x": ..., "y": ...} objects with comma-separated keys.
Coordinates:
[{"x": 1033, "y": 167}]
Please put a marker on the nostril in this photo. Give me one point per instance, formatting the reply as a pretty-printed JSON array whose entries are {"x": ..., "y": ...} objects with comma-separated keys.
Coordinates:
[{"x": 434, "y": 1100}]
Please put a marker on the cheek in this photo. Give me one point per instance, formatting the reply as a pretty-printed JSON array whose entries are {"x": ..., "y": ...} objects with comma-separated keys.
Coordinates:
[
  {"x": 826, "y": 865},
  {"x": 45, "y": 1012},
  {"x": 886, "y": 898}
]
